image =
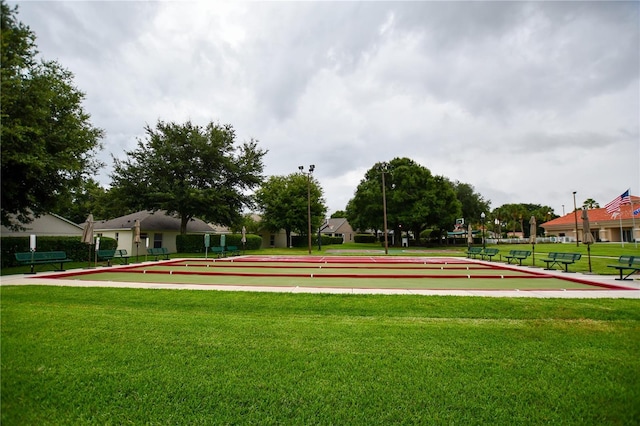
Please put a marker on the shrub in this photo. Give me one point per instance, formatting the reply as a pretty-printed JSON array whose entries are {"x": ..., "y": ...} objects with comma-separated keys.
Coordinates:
[
  {"x": 303, "y": 241},
  {"x": 194, "y": 243},
  {"x": 364, "y": 238}
]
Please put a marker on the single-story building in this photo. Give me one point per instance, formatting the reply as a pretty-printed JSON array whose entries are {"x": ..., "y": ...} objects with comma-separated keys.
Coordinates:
[
  {"x": 46, "y": 225},
  {"x": 335, "y": 227},
  {"x": 604, "y": 226},
  {"x": 157, "y": 229},
  {"x": 338, "y": 227}
]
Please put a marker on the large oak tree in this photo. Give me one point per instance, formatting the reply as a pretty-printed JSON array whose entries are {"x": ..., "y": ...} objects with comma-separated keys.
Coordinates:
[
  {"x": 191, "y": 171},
  {"x": 415, "y": 199},
  {"x": 48, "y": 142}
]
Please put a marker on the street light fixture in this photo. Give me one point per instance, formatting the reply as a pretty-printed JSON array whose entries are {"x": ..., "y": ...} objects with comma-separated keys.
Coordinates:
[
  {"x": 383, "y": 169},
  {"x": 484, "y": 244},
  {"x": 311, "y": 169}
]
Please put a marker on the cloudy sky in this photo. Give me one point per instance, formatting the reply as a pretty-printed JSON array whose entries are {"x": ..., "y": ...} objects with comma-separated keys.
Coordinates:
[{"x": 527, "y": 102}]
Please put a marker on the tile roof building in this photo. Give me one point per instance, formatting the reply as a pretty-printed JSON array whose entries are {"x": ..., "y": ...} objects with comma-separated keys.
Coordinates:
[{"x": 616, "y": 227}]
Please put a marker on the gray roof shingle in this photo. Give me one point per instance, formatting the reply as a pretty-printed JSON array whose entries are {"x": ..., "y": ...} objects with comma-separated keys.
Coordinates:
[{"x": 152, "y": 221}]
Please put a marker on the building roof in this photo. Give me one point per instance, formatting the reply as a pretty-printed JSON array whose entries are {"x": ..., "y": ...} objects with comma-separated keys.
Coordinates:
[
  {"x": 598, "y": 215},
  {"x": 46, "y": 224},
  {"x": 151, "y": 221}
]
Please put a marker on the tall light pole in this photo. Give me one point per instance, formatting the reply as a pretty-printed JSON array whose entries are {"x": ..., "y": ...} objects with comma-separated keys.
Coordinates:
[
  {"x": 311, "y": 169},
  {"x": 484, "y": 244},
  {"x": 383, "y": 169},
  {"x": 575, "y": 215}
]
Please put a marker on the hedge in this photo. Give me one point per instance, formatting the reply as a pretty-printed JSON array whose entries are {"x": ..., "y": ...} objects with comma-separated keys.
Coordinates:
[
  {"x": 72, "y": 246},
  {"x": 303, "y": 240},
  {"x": 194, "y": 243},
  {"x": 364, "y": 238}
]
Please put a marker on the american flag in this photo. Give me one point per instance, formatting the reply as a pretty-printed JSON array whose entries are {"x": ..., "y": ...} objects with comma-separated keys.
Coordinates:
[{"x": 615, "y": 204}]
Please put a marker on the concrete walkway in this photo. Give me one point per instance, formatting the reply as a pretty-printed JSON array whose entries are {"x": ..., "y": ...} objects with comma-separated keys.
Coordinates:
[{"x": 41, "y": 279}]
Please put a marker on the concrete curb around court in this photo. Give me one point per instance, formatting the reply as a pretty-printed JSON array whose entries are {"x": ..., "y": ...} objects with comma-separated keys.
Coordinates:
[{"x": 609, "y": 280}]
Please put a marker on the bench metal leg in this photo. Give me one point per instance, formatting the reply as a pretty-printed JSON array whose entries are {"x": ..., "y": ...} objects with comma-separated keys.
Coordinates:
[{"x": 626, "y": 277}]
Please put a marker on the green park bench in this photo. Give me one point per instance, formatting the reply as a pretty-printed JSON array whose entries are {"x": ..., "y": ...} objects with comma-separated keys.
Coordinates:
[
  {"x": 518, "y": 255},
  {"x": 559, "y": 259},
  {"x": 159, "y": 252},
  {"x": 472, "y": 252},
  {"x": 627, "y": 263},
  {"x": 489, "y": 253},
  {"x": 42, "y": 258},
  {"x": 232, "y": 250},
  {"x": 122, "y": 255},
  {"x": 107, "y": 255},
  {"x": 217, "y": 251}
]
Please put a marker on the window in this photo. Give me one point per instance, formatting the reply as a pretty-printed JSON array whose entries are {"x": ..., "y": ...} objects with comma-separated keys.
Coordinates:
[{"x": 157, "y": 240}]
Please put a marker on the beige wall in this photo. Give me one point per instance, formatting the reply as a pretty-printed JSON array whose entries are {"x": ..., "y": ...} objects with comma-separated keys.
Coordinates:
[
  {"x": 279, "y": 239},
  {"x": 125, "y": 240},
  {"x": 605, "y": 233}
]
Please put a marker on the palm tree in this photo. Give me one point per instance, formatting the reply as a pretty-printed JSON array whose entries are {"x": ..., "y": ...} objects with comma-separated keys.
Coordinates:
[{"x": 590, "y": 203}]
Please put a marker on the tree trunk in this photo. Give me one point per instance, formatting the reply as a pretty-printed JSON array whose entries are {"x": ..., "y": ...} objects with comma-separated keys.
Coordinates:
[{"x": 183, "y": 224}]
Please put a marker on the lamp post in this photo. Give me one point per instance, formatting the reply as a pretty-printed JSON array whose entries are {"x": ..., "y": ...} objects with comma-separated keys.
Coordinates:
[
  {"x": 575, "y": 215},
  {"x": 484, "y": 244},
  {"x": 383, "y": 170},
  {"x": 497, "y": 223},
  {"x": 311, "y": 169}
]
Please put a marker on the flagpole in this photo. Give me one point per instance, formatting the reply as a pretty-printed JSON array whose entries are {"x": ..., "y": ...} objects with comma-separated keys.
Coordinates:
[
  {"x": 633, "y": 221},
  {"x": 621, "y": 234}
]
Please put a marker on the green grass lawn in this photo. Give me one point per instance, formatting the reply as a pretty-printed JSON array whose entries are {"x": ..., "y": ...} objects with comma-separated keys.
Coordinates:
[{"x": 135, "y": 356}]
